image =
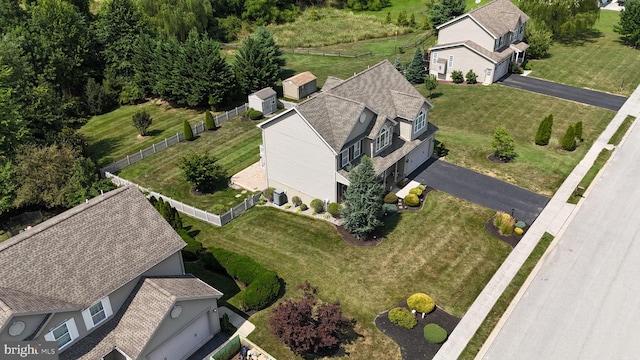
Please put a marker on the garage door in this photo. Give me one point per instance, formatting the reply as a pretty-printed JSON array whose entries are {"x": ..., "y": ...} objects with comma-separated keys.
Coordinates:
[
  {"x": 418, "y": 156},
  {"x": 183, "y": 343}
]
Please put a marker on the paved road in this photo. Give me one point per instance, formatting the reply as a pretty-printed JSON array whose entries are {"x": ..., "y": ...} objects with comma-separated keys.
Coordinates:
[
  {"x": 481, "y": 189},
  {"x": 584, "y": 301},
  {"x": 589, "y": 97}
]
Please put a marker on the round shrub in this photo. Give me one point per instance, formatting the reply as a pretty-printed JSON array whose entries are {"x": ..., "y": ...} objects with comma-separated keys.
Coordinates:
[
  {"x": 296, "y": 201},
  {"x": 518, "y": 231},
  {"x": 435, "y": 334},
  {"x": 218, "y": 209},
  {"x": 255, "y": 114},
  {"x": 412, "y": 200},
  {"x": 334, "y": 209},
  {"x": 520, "y": 224},
  {"x": 422, "y": 187},
  {"x": 421, "y": 303},
  {"x": 317, "y": 205},
  {"x": 416, "y": 191},
  {"x": 268, "y": 193},
  {"x": 303, "y": 207},
  {"x": 402, "y": 317},
  {"x": 391, "y": 198}
]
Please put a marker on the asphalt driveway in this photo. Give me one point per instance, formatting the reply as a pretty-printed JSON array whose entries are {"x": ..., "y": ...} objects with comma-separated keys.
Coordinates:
[
  {"x": 481, "y": 189},
  {"x": 585, "y": 96}
]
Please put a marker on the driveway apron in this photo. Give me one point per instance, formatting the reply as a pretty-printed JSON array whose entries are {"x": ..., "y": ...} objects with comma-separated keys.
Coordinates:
[
  {"x": 585, "y": 96},
  {"x": 481, "y": 189}
]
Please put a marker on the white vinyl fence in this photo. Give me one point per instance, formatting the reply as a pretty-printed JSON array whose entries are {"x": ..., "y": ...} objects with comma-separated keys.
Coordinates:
[
  {"x": 218, "y": 220},
  {"x": 145, "y": 153}
]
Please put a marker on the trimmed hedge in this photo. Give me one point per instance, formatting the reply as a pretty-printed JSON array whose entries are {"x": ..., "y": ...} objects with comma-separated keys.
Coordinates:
[
  {"x": 403, "y": 317},
  {"x": 188, "y": 132},
  {"x": 391, "y": 198},
  {"x": 334, "y": 209},
  {"x": 416, "y": 191},
  {"x": 317, "y": 205},
  {"x": 303, "y": 207},
  {"x": 434, "y": 334},
  {"x": 254, "y": 114},
  {"x": 518, "y": 231},
  {"x": 412, "y": 200},
  {"x": 422, "y": 187},
  {"x": 421, "y": 303},
  {"x": 194, "y": 248}
]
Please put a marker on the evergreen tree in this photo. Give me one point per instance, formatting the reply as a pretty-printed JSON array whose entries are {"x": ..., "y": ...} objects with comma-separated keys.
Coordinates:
[
  {"x": 503, "y": 144},
  {"x": 11, "y": 14},
  {"x": 387, "y": 19},
  {"x": 578, "y": 130},
  {"x": 258, "y": 62},
  {"x": 629, "y": 25},
  {"x": 402, "y": 18},
  {"x": 188, "y": 131},
  {"x": 445, "y": 10},
  {"x": 362, "y": 211},
  {"x": 398, "y": 65},
  {"x": 569, "y": 139},
  {"x": 431, "y": 83},
  {"x": 471, "y": 77},
  {"x": 544, "y": 131},
  {"x": 209, "y": 122},
  {"x": 415, "y": 71}
]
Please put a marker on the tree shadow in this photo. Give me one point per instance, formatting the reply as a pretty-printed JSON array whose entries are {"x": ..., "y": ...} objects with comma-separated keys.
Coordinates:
[
  {"x": 191, "y": 231},
  {"x": 286, "y": 73},
  {"x": 589, "y": 36},
  {"x": 436, "y": 94},
  {"x": 154, "y": 132},
  {"x": 101, "y": 148},
  {"x": 390, "y": 223}
]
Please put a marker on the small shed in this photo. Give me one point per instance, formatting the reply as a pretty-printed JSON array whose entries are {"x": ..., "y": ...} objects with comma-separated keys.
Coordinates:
[
  {"x": 299, "y": 86},
  {"x": 265, "y": 100}
]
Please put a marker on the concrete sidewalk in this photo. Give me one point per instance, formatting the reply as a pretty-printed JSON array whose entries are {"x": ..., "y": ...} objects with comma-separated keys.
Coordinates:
[{"x": 552, "y": 219}]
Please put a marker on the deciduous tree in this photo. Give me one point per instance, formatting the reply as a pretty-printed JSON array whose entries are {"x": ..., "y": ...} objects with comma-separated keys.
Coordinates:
[
  {"x": 203, "y": 171},
  {"x": 565, "y": 18},
  {"x": 629, "y": 25},
  {"x": 431, "y": 83},
  {"x": 538, "y": 36},
  {"x": 362, "y": 211},
  {"x": 141, "y": 121},
  {"x": 503, "y": 144}
]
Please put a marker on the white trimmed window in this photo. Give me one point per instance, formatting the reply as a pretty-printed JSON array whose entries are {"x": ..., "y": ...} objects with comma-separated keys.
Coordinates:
[
  {"x": 420, "y": 122},
  {"x": 344, "y": 156},
  {"x": 383, "y": 139},
  {"x": 450, "y": 61},
  {"x": 97, "y": 313},
  {"x": 357, "y": 149},
  {"x": 63, "y": 334},
  {"x": 434, "y": 57}
]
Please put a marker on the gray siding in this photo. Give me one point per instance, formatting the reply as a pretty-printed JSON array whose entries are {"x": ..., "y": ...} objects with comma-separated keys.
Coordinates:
[
  {"x": 31, "y": 324},
  {"x": 309, "y": 88},
  {"x": 464, "y": 60},
  {"x": 466, "y": 29},
  {"x": 360, "y": 129},
  {"x": 297, "y": 158}
]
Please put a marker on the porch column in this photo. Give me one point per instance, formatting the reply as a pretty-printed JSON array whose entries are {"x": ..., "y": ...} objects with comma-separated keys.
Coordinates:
[{"x": 395, "y": 173}]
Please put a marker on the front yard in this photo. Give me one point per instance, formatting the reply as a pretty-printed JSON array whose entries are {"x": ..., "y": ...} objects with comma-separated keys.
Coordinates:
[{"x": 441, "y": 250}]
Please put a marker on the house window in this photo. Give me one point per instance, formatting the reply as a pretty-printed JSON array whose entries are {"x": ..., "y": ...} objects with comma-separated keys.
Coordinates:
[
  {"x": 501, "y": 41},
  {"x": 434, "y": 57},
  {"x": 97, "y": 313},
  {"x": 344, "y": 155},
  {"x": 357, "y": 149},
  {"x": 450, "y": 61},
  {"x": 521, "y": 28},
  {"x": 63, "y": 334},
  {"x": 383, "y": 139},
  {"x": 421, "y": 121}
]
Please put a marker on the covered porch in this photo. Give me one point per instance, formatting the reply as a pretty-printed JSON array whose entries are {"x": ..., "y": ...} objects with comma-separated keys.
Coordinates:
[{"x": 519, "y": 52}]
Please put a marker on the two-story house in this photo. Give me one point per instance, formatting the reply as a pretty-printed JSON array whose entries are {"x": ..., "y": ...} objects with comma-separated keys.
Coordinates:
[
  {"x": 309, "y": 149},
  {"x": 486, "y": 40},
  {"x": 105, "y": 280}
]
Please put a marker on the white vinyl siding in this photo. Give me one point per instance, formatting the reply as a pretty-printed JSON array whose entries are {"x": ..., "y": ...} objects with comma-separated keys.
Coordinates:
[
  {"x": 434, "y": 57},
  {"x": 450, "y": 61},
  {"x": 97, "y": 313},
  {"x": 383, "y": 139},
  {"x": 63, "y": 334},
  {"x": 420, "y": 122}
]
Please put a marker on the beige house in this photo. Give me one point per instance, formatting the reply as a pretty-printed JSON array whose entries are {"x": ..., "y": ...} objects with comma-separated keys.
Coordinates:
[
  {"x": 299, "y": 86},
  {"x": 486, "y": 40},
  {"x": 265, "y": 101},
  {"x": 105, "y": 280},
  {"x": 309, "y": 149}
]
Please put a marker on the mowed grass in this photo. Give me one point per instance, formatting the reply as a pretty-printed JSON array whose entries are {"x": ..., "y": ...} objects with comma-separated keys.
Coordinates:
[
  {"x": 468, "y": 115},
  {"x": 622, "y": 130},
  {"x": 236, "y": 146},
  {"x": 598, "y": 164},
  {"x": 111, "y": 136},
  {"x": 489, "y": 323},
  {"x": 598, "y": 62},
  {"x": 442, "y": 250}
]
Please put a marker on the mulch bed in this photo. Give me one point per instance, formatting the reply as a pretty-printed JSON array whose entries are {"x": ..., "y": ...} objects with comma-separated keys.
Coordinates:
[
  {"x": 497, "y": 159},
  {"x": 411, "y": 341},
  {"x": 512, "y": 239},
  {"x": 405, "y": 208},
  {"x": 375, "y": 239}
]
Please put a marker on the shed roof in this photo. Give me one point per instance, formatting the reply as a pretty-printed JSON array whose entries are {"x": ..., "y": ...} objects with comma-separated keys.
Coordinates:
[
  {"x": 265, "y": 93},
  {"x": 302, "y": 78}
]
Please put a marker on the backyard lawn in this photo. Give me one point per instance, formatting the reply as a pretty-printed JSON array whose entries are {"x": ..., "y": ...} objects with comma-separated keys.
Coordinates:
[
  {"x": 442, "y": 250},
  {"x": 468, "y": 115}
]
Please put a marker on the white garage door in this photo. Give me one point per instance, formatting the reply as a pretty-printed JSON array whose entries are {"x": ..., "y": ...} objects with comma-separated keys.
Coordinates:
[
  {"x": 184, "y": 342},
  {"x": 418, "y": 156}
]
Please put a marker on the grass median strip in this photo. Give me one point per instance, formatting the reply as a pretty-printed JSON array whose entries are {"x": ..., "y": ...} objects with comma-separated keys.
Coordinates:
[
  {"x": 505, "y": 299},
  {"x": 590, "y": 175},
  {"x": 622, "y": 130}
]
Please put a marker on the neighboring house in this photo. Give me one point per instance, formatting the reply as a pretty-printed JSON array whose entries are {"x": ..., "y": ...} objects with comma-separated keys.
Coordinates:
[
  {"x": 309, "y": 149},
  {"x": 105, "y": 280},
  {"x": 264, "y": 101},
  {"x": 299, "y": 86},
  {"x": 486, "y": 40}
]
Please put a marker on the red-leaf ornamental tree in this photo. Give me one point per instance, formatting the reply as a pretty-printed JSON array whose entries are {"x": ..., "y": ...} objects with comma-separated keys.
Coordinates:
[{"x": 309, "y": 326}]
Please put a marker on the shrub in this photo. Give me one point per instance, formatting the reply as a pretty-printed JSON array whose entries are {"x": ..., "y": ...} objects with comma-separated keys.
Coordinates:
[
  {"x": 268, "y": 193},
  {"x": 516, "y": 69},
  {"x": 218, "y": 209},
  {"x": 569, "y": 139},
  {"x": 391, "y": 198},
  {"x": 421, "y": 303},
  {"x": 471, "y": 77},
  {"x": 203, "y": 171},
  {"x": 504, "y": 222},
  {"x": 303, "y": 207},
  {"x": 389, "y": 209},
  {"x": 296, "y": 201},
  {"x": 188, "y": 132},
  {"x": 518, "y": 231},
  {"x": 412, "y": 200},
  {"x": 544, "y": 131},
  {"x": 403, "y": 317},
  {"x": 503, "y": 144},
  {"x": 317, "y": 205},
  {"x": 192, "y": 251},
  {"x": 287, "y": 206},
  {"x": 209, "y": 123},
  {"x": 578, "y": 130},
  {"x": 435, "y": 334},
  {"x": 457, "y": 77},
  {"x": 422, "y": 187},
  {"x": 255, "y": 114},
  {"x": 416, "y": 191},
  {"x": 334, "y": 209},
  {"x": 141, "y": 121},
  {"x": 226, "y": 326}
]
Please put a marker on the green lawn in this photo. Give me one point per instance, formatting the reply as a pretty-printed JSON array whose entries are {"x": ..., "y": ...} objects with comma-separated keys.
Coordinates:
[
  {"x": 598, "y": 62},
  {"x": 472, "y": 348},
  {"x": 442, "y": 250},
  {"x": 111, "y": 136},
  {"x": 622, "y": 130},
  {"x": 600, "y": 161},
  {"x": 468, "y": 115},
  {"x": 235, "y": 144}
]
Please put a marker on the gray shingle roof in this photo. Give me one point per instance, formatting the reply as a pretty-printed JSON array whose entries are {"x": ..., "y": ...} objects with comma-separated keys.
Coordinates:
[
  {"x": 265, "y": 93},
  {"x": 331, "y": 82},
  {"x": 499, "y": 16},
  {"x": 493, "y": 56},
  {"x": 138, "y": 319},
  {"x": 381, "y": 88},
  {"x": 62, "y": 263}
]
